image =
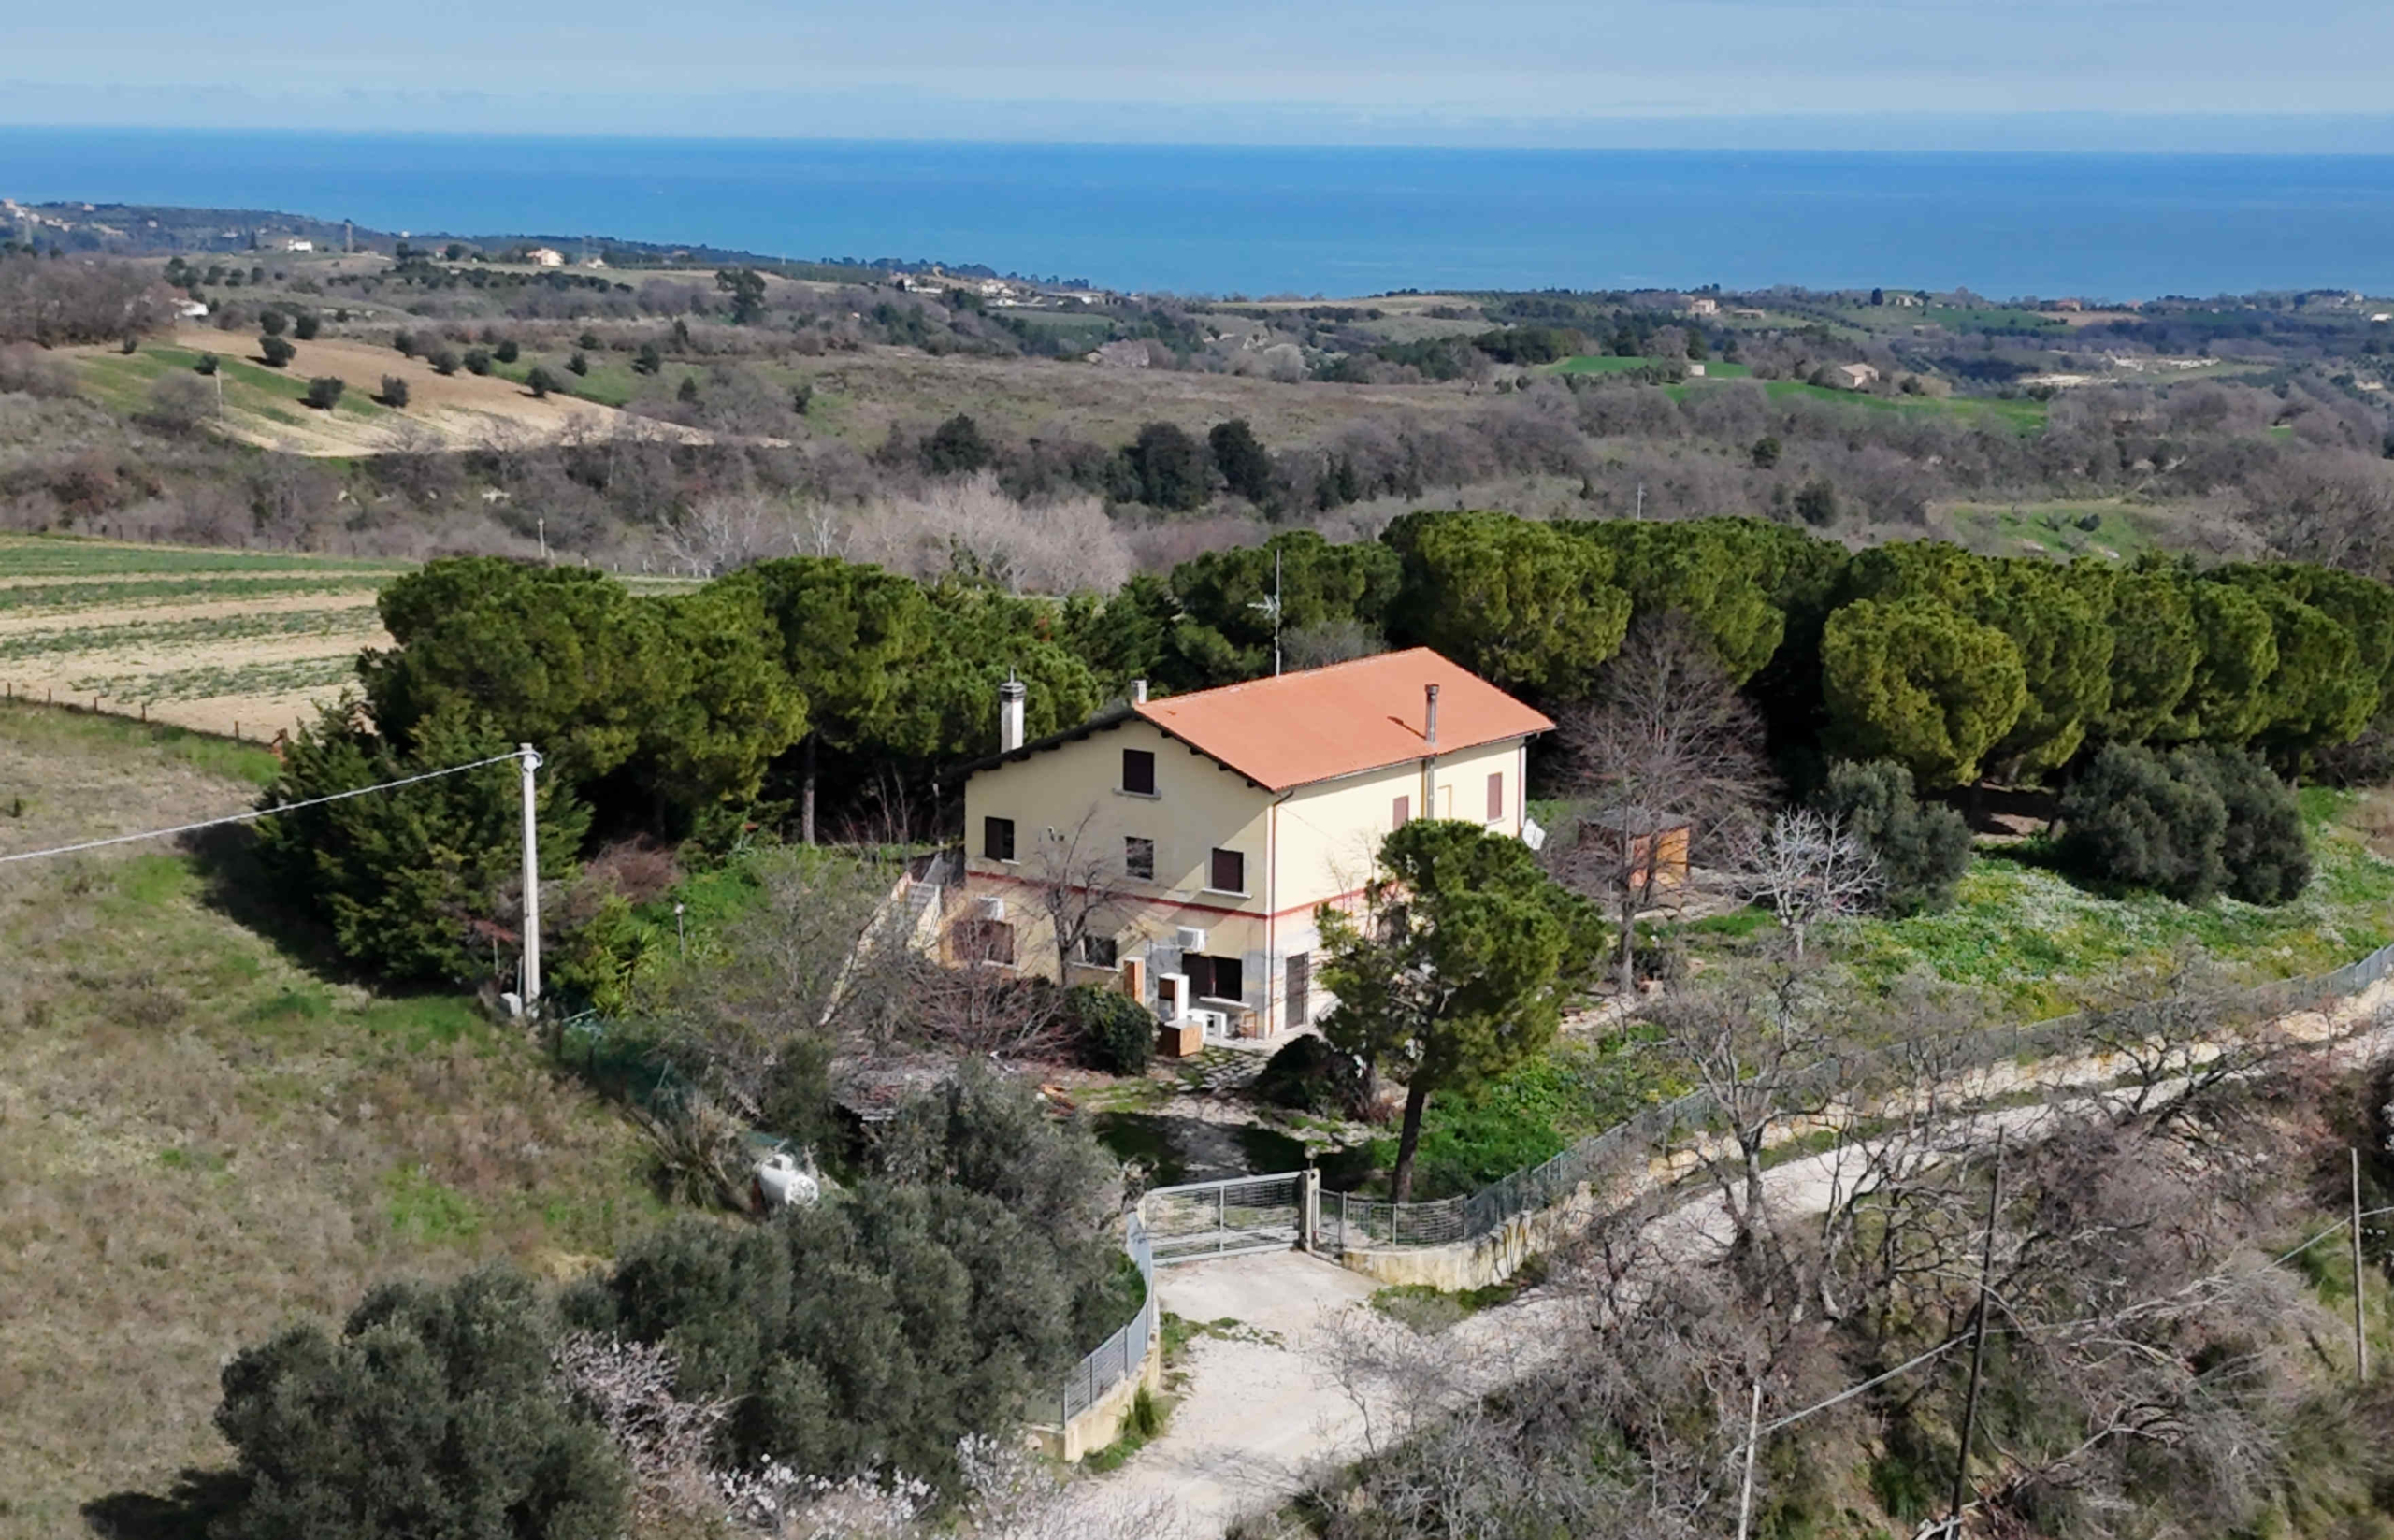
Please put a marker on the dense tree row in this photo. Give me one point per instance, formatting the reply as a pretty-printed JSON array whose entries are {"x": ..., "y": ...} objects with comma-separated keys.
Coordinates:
[{"x": 800, "y": 679}]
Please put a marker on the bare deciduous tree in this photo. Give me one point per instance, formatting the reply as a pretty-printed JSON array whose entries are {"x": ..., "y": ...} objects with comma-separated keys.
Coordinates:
[
  {"x": 1079, "y": 882},
  {"x": 1808, "y": 867},
  {"x": 1666, "y": 740}
]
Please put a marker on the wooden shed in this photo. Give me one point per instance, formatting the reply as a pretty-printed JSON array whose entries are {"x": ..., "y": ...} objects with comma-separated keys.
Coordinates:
[{"x": 1651, "y": 846}]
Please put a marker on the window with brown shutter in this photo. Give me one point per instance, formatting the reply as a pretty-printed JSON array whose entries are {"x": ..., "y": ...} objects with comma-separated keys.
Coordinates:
[
  {"x": 1228, "y": 873},
  {"x": 1139, "y": 771},
  {"x": 1495, "y": 797},
  {"x": 1400, "y": 812}
]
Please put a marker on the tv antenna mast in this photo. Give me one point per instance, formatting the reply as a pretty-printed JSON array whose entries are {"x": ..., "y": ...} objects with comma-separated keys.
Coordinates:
[{"x": 1272, "y": 607}]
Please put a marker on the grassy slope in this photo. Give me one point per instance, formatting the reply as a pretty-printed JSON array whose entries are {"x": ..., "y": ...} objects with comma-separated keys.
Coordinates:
[
  {"x": 205, "y": 1141},
  {"x": 2029, "y": 939},
  {"x": 2121, "y": 531},
  {"x": 121, "y": 383}
]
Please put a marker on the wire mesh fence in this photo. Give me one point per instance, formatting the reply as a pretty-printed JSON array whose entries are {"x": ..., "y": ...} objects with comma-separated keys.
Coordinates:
[
  {"x": 1348, "y": 1221},
  {"x": 1119, "y": 1356},
  {"x": 1267, "y": 1212}
]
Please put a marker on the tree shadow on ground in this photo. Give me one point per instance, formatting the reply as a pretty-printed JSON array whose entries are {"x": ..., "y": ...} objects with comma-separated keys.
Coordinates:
[
  {"x": 235, "y": 882},
  {"x": 2007, "y": 811},
  {"x": 196, "y": 1500}
]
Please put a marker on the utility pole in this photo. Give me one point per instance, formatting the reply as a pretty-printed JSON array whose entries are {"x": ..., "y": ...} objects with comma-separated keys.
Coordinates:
[
  {"x": 541, "y": 524},
  {"x": 1978, "y": 1348},
  {"x": 2361, "y": 1341},
  {"x": 1641, "y": 501},
  {"x": 1754, "y": 1434},
  {"x": 530, "y": 761}
]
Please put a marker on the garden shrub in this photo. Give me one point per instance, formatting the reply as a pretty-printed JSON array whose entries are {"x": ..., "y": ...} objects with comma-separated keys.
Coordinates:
[
  {"x": 2265, "y": 848},
  {"x": 434, "y": 1412},
  {"x": 2205, "y": 820},
  {"x": 1311, "y": 1076},
  {"x": 1922, "y": 847},
  {"x": 2131, "y": 817},
  {"x": 943, "y": 1294},
  {"x": 1118, "y": 1034}
]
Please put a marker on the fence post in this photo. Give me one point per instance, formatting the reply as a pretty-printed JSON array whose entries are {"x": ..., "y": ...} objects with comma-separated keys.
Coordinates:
[{"x": 1309, "y": 1210}]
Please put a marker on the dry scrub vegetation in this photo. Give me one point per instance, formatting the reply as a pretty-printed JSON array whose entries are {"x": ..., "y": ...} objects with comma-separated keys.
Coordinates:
[{"x": 206, "y": 1140}]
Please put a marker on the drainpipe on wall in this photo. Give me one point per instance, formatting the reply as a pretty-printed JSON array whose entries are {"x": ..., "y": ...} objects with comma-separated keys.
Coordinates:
[{"x": 1430, "y": 760}]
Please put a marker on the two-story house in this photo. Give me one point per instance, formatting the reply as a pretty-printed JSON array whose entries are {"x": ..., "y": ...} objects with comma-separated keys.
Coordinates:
[{"x": 1188, "y": 841}]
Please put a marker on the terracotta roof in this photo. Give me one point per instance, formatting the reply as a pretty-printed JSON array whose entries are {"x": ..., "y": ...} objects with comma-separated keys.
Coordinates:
[{"x": 1349, "y": 717}]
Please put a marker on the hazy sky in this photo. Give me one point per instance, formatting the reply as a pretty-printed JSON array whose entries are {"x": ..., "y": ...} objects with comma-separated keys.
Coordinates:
[{"x": 1809, "y": 73}]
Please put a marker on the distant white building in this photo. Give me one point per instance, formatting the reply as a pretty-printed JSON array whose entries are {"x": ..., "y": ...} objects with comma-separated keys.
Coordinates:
[
  {"x": 1702, "y": 305},
  {"x": 295, "y": 244},
  {"x": 1853, "y": 376},
  {"x": 191, "y": 310},
  {"x": 545, "y": 257}
]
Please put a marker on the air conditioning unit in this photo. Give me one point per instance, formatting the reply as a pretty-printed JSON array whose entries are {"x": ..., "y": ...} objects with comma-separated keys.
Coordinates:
[
  {"x": 1190, "y": 938},
  {"x": 1171, "y": 996},
  {"x": 993, "y": 909},
  {"x": 1216, "y": 1023}
]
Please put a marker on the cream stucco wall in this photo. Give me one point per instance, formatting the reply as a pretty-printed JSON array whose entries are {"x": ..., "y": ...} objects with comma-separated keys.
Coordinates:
[{"x": 1307, "y": 846}]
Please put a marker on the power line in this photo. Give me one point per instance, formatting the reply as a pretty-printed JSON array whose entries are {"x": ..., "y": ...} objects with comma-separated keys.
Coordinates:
[{"x": 256, "y": 813}]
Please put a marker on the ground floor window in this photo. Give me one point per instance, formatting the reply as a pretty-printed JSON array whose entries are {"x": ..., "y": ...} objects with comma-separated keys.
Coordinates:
[
  {"x": 1214, "y": 978},
  {"x": 1100, "y": 952}
]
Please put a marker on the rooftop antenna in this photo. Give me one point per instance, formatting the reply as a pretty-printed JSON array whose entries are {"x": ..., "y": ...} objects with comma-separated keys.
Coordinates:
[{"x": 1272, "y": 607}]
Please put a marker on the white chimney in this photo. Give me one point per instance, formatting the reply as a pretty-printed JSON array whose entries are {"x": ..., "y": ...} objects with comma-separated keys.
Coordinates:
[
  {"x": 1430, "y": 716},
  {"x": 1138, "y": 691},
  {"x": 1009, "y": 700}
]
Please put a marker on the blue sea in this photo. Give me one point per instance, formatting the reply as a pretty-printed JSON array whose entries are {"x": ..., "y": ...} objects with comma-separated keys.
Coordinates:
[{"x": 1334, "y": 222}]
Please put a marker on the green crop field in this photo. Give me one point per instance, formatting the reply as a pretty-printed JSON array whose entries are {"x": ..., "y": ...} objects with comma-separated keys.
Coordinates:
[
  {"x": 247, "y": 679},
  {"x": 63, "y": 555},
  {"x": 221, "y": 641},
  {"x": 122, "y": 381},
  {"x": 150, "y": 591},
  {"x": 168, "y": 635}
]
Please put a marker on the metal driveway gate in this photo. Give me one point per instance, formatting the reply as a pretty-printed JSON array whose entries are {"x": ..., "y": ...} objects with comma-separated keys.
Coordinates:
[{"x": 1187, "y": 1223}]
